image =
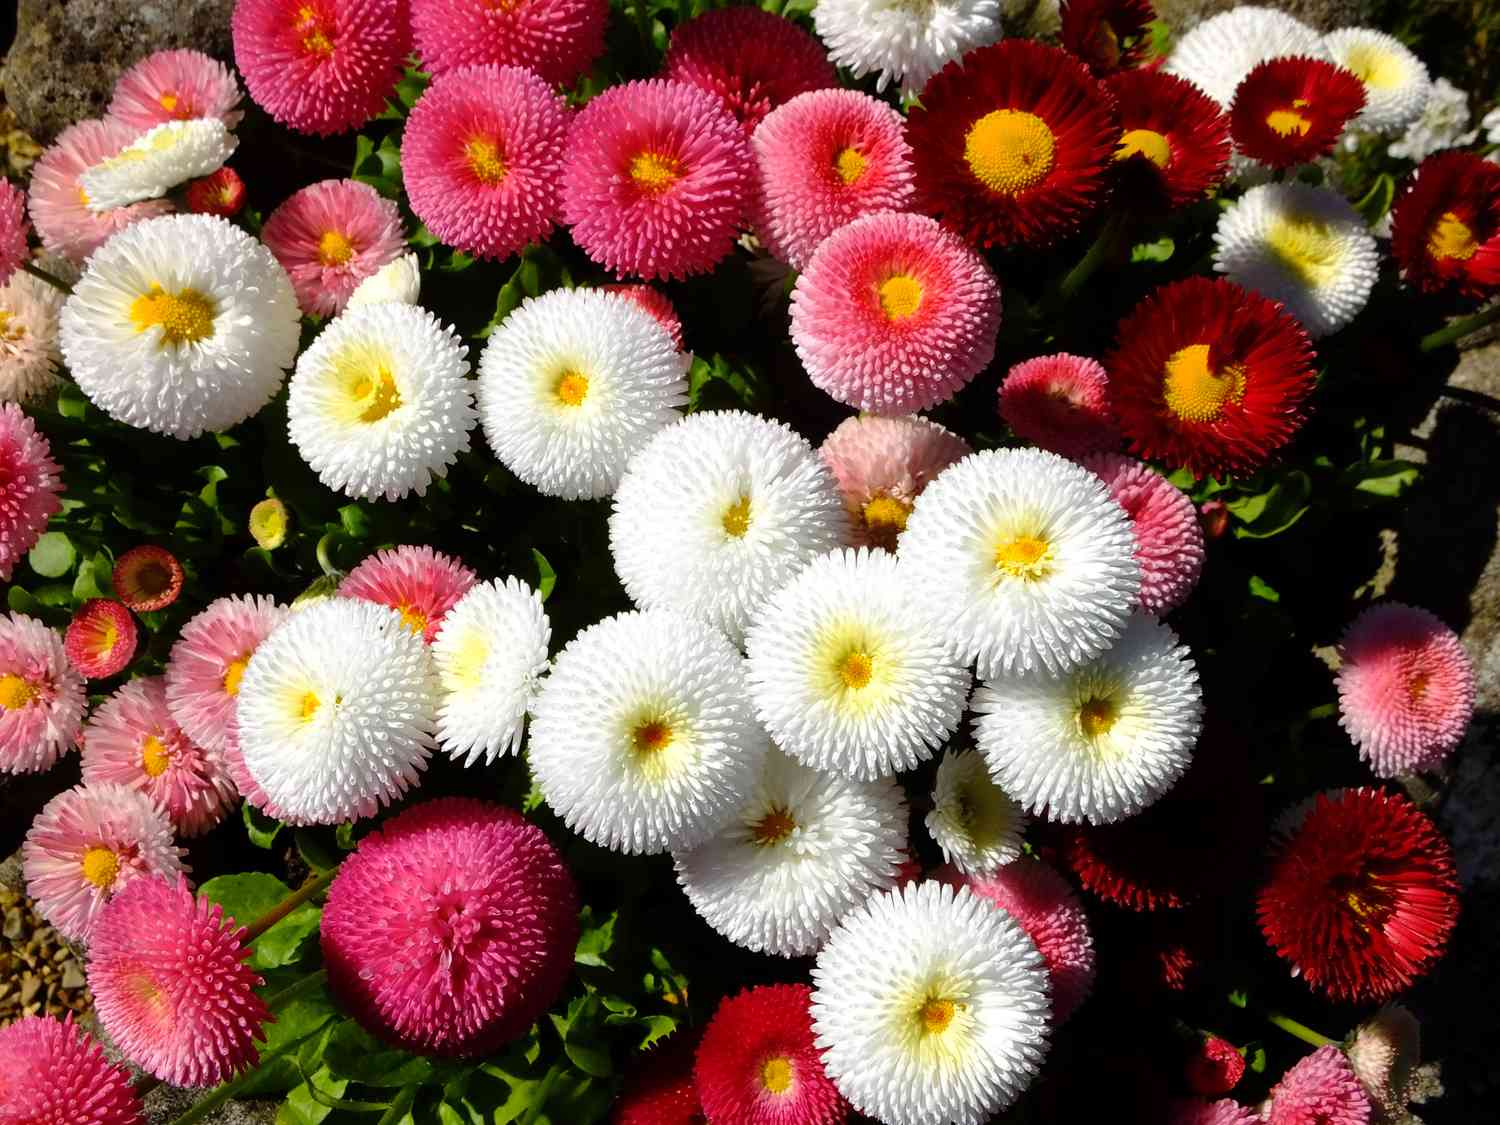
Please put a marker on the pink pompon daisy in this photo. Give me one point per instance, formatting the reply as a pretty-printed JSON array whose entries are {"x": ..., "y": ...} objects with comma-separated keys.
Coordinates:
[
  {"x": 29, "y": 485},
  {"x": 175, "y": 86},
  {"x": 57, "y": 1075},
  {"x": 59, "y": 206},
  {"x": 1199, "y": 1111},
  {"x": 655, "y": 302},
  {"x": 753, "y": 61},
  {"x": 1060, "y": 402},
  {"x": 421, "y": 583},
  {"x": 85, "y": 845},
  {"x": 171, "y": 984},
  {"x": 1322, "y": 1089},
  {"x": 147, "y": 577},
  {"x": 1168, "y": 535},
  {"x": 329, "y": 237},
  {"x": 321, "y": 66},
  {"x": 451, "y": 928},
  {"x": 656, "y": 179},
  {"x": 1043, "y": 905},
  {"x": 558, "y": 39},
  {"x": 1406, "y": 688},
  {"x": 894, "y": 313},
  {"x": 208, "y": 659},
  {"x": 101, "y": 638},
  {"x": 13, "y": 230},
  {"x": 219, "y": 193},
  {"x": 132, "y": 740},
  {"x": 822, "y": 160},
  {"x": 882, "y": 465},
  {"x": 42, "y": 698},
  {"x": 481, "y": 158},
  {"x": 29, "y": 355}
]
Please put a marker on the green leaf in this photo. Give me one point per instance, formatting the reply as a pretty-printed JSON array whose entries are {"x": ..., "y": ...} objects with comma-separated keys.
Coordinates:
[
  {"x": 355, "y": 521},
  {"x": 594, "y": 940},
  {"x": 1255, "y": 1057},
  {"x": 589, "y": 1058},
  {"x": 546, "y": 576},
  {"x": 1159, "y": 250},
  {"x": 657, "y": 1028},
  {"x": 261, "y": 829},
  {"x": 1272, "y": 512},
  {"x": 379, "y": 166},
  {"x": 1377, "y": 201},
  {"x": 53, "y": 555},
  {"x": 307, "y": 1104},
  {"x": 248, "y": 895},
  {"x": 299, "y": 1019},
  {"x": 1378, "y": 480},
  {"x": 318, "y": 848},
  {"x": 21, "y": 601},
  {"x": 1260, "y": 588},
  {"x": 354, "y": 1054}
]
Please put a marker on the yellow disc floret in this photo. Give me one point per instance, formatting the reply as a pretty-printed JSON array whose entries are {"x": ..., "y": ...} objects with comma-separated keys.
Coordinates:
[
  {"x": 101, "y": 866},
  {"x": 900, "y": 296},
  {"x": 571, "y": 388},
  {"x": 15, "y": 692},
  {"x": 1145, "y": 142},
  {"x": 855, "y": 669},
  {"x": 155, "y": 757},
  {"x": 485, "y": 160},
  {"x": 1306, "y": 247},
  {"x": 850, "y": 164},
  {"x": 1193, "y": 391},
  {"x": 1450, "y": 237},
  {"x": 774, "y": 827},
  {"x": 234, "y": 674},
  {"x": 1024, "y": 557},
  {"x": 1009, "y": 151},
  {"x": 736, "y": 518},
  {"x": 185, "y": 317},
  {"x": 334, "y": 248},
  {"x": 776, "y": 1075},
  {"x": 655, "y": 172},
  {"x": 1289, "y": 119}
]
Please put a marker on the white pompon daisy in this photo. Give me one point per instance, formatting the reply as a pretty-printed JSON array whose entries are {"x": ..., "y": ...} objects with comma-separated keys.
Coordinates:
[
  {"x": 490, "y": 653},
  {"x": 643, "y": 738},
  {"x": 1217, "y": 54},
  {"x": 973, "y": 820},
  {"x": 398, "y": 280},
  {"x": 847, "y": 674},
  {"x": 1023, "y": 560},
  {"x": 930, "y": 1007},
  {"x": 573, "y": 384},
  {"x": 718, "y": 512},
  {"x": 1396, "y": 81},
  {"x": 157, "y": 161},
  {"x": 379, "y": 404},
  {"x": 336, "y": 710},
  {"x": 181, "y": 324},
  {"x": 1101, "y": 742},
  {"x": 803, "y": 851},
  {"x": 904, "y": 42},
  {"x": 1301, "y": 245}
]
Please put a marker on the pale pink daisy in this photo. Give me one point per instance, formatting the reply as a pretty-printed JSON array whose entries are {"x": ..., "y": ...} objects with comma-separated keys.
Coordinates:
[
  {"x": 655, "y": 302},
  {"x": 42, "y": 698},
  {"x": 1168, "y": 534},
  {"x": 329, "y": 237},
  {"x": 1322, "y": 1089},
  {"x": 1060, "y": 402},
  {"x": 423, "y": 584},
  {"x": 558, "y": 39},
  {"x": 13, "y": 229},
  {"x": 29, "y": 355},
  {"x": 54, "y": 1074},
  {"x": 175, "y": 86},
  {"x": 894, "y": 313},
  {"x": 209, "y": 657},
  {"x": 29, "y": 485},
  {"x": 1199, "y": 1111}
]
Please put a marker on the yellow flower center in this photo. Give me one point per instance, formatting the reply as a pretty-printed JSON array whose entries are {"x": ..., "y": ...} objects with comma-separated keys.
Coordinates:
[
  {"x": 413, "y": 618},
  {"x": 1009, "y": 150},
  {"x": 316, "y": 39},
  {"x": 1145, "y": 142},
  {"x": 1097, "y": 715},
  {"x": 1196, "y": 393},
  {"x": 1375, "y": 66},
  {"x": 167, "y": 100},
  {"x": 655, "y": 172},
  {"x": 334, "y": 249},
  {"x": 1451, "y": 237},
  {"x": 774, "y": 827},
  {"x": 308, "y": 705},
  {"x": 1284, "y": 122},
  {"x": 466, "y": 669},
  {"x": 364, "y": 373},
  {"x": 1306, "y": 248},
  {"x": 155, "y": 757},
  {"x": 100, "y": 866},
  {"x": 233, "y": 675},
  {"x": 885, "y": 517},
  {"x": 936, "y": 1014},
  {"x": 485, "y": 160},
  {"x": 856, "y": 668},
  {"x": 185, "y": 317},
  {"x": 571, "y": 388},
  {"x": 9, "y": 331},
  {"x": 776, "y": 1075},
  {"x": 850, "y": 164},
  {"x": 1027, "y": 557},
  {"x": 736, "y": 518},
  {"x": 1417, "y": 687},
  {"x": 15, "y": 692},
  {"x": 900, "y": 296},
  {"x": 108, "y": 638},
  {"x": 651, "y": 737}
]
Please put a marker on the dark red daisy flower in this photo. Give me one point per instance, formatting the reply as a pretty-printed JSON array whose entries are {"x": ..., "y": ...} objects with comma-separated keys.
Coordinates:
[
  {"x": 1174, "y": 142},
  {"x": 1012, "y": 143},
  {"x": 1109, "y": 35},
  {"x": 1209, "y": 377},
  {"x": 659, "y": 1089},
  {"x": 1293, "y": 109},
  {"x": 1445, "y": 226},
  {"x": 1215, "y": 1067},
  {"x": 147, "y": 577},
  {"x": 220, "y": 193}
]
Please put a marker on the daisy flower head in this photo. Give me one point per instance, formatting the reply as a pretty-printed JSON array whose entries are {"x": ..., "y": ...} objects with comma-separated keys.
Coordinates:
[
  {"x": 451, "y": 928},
  {"x": 1322, "y": 1089},
  {"x": 335, "y": 711},
  {"x": 894, "y": 313},
  {"x": 482, "y": 155},
  {"x": 219, "y": 193},
  {"x": 573, "y": 384},
  {"x": 1395, "y": 80},
  {"x": 881, "y": 466},
  {"x": 87, "y": 844},
  {"x": 654, "y": 302},
  {"x": 1060, "y": 402},
  {"x": 147, "y": 577},
  {"x": 656, "y": 179},
  {"x": 1013, "y": 144},
  {"x": 1174, "y": 144},
  {"x": 1445, "y": 226},
  {"x": 1288, "y": 111},
  {"x": 42, "y": 697},
  {"x": 321, "y": 66},
  {"x": 1209, "y": 377},
  {"x": 1218, "y": 53},
  {"x": 803, "y": 850},
  {"x": 1109, "y": 35},
  {"x": 1215, "y": 1066},
  {"x": 659, "y": 1088},
  {"x": 157, "y": 161},
  {"x": 1168, "y": 534},
  {"x": 329, "y": 237},
  {"x": 55, "y": 1074},
  {"x": 181, "y": 324},
  {"x": 380, "y": 403},
  {"x": 175, "y": 86},
  {"x": 718, "y": 512},
  {"x": 1200, "y": 1111},
  {"x": 643, "y": 737},
  {"x": 558, "y": 39},
  {"x": 1384, "y": 1052},
  {"x": 30, "y": 482},
  {"x": 398, "y": 280},
  {"x": 930, "y": 1006},
  {"x": 101, "y": 638},
  {"x": 905, "y": 43},
  {"x": 1023, "y": 561},
  {"x": 974, "y": 821},
  {"x": 13, "y": 230},
  {"x": 208, "y": 661},
  {"x": 417, "y": 581},
  {"x": 846, "y": 674},
  {"x": 29, "y": 356}
]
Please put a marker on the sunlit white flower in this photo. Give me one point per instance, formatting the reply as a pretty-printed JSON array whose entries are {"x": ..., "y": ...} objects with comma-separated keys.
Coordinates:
[
  {"x": 904, "y": 42},
  {"x": 157, "y": 161},
  {"x": 29, "y": 355},
  {"x": 1396, "y": 81},
  {"x": 1444, "y": 124},
  {"x": 397, "y": 280},
  {"x": 972, "y": 819},
  {"x": 1218, "y": 53}
]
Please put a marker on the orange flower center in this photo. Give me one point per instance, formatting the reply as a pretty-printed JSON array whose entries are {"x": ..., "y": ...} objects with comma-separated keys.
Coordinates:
[
  {"x": 485, "y": 160},
  {"x": 651, "y": 737},
  {"x": 1195, "y": 392},
  {"x": 936, "y": 1014},
  {"x": 1009, "y": 151},
  {"x": 413, "y": 618},
  {"x": 1027, "y": 557},
  {"x": 1451, "y": 237},
  {"x": 571, "y": 388},
  {"x": 1097, "y": 715},
  {"x": 855, "y": 669},
  {"x": 334, "y": 248},
  {"x": 774, "y": 827},
  {"x": 317, "y": 37},
  {"x": 655, "y": 172}
]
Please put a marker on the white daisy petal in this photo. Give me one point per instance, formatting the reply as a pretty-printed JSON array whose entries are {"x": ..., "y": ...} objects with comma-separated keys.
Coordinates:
[
  {"x": 973, "y": 820},
  {"x": 1218, "y": 53},
  {"x": 398, "y": 280},
  {"x": 157, "y": 161},
  {"x": 902, "y": 41},
  {"x": 1396, "y": 81}
]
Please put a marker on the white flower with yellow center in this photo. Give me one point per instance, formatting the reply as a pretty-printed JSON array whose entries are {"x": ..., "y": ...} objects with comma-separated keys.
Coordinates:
[
  {"x": 930, "y": 1007},
  {"x": 1396, "y": 81},
  {"x": 157, "y": 161},
  {"x": 643, "y": 738},
  {"x": 1101, "y": 742},
  {"x": 906, "y": 41},
  {"x": 718, "y": 512},
  {"x": 181, "y": 324},
  {"x": 1022, "y": 559},
  {"x": 1301, "y": 245},
  {"x": 846, "y": 673},
  {"x": 490, "y": 654},
  {"x": 29, "y": 355},
  {"x": 803, "y": 851},
  {"x": 399, "y": 280},
  {"x": 336, "y": 711},
  {"x": 380, "y": 404},
  {"x": 1218, "y": 53},
  {"x": 973, "y": 820},
  {"x": 573, "y": 384}
]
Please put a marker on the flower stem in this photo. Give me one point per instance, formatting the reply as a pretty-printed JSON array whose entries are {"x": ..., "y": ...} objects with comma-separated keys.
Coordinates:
[
  {"x": 218, "y": 1096},
  {"x": 310, "y": 983},
  {"x": 1460, "y": 328},
  {"x": 399, "y": 1106},
  {"x": 50, "y": 278},
  {"x": 1096, "y": 256},
  {"x": 1300, "y": 1030},
  {"x": 288, "y": 904}
]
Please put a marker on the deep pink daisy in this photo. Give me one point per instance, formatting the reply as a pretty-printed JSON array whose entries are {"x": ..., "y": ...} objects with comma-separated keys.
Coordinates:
[
  {"x": 655, "y": 302},
  {"x": 656, "y": 179},
  {"x": 101, "y": 638},
  {"x": 1060, "y": 402},
  {"x": 29, "y": 485},
  {"x": 54, "y": 1074},
  {"x": 1168, "y": 536},
  {"x": 175, "y": 86},
  {"x": 894, "y": 313},
  {"x": 1214, "y": 1067},
  {"x": 329, "y": 237},
  {"x": 418, "y": 581},
  {"x": 86, "y": 844},
  {"x": 42, "y": 698},
  {"x": 1320, "y": 1090},
  {"x": 823, "y": 160},
  {"x": 171, "y": 984},
  {"x": 481, "y": 158},
  {"x": 558, "y": 39},
  {"x": 321, "y": 66},
  {"x": 208, "y": 659},
  {"x": 1406, "y": 688},
  {"x": 451, "y": 928},
  {"x": 1198, "y": 1111},
  {"x": 13, "y": 229}
]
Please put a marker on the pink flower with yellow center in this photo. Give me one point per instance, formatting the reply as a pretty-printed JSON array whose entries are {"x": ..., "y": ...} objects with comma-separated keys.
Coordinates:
[
  {"x": 207, "y": 661},
  {"x": 329, "y": 237},
  {"x": 418, "y": 581},
  {"x": 29, "y": 485},
  {"x": 175, "y": 86},
  {"x": 42, "y": 699}
]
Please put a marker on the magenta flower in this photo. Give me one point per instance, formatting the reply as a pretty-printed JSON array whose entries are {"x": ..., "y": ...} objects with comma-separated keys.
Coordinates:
[
  {"x": 1168, "y": 535},
  {"x": 30, "y": 482},
  {"x": 54, "y": 1074},
  {"x": 557, "y": 39},
  {"x": 1060, "y": 402},
  {"x": 329, "y": 237}
]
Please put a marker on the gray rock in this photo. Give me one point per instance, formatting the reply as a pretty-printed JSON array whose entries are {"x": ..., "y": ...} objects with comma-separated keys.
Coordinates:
[
  {"x": 1325, "y": 15},
  {"x": 166, "y": 1103}
]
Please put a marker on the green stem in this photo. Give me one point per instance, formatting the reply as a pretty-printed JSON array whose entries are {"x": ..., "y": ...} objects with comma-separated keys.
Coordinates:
[
  {"x": 539, "y": 1102},
  {"x": 399, "y": 1106},
  {"x": 287, "y": 905},
  {"x": 50, "y": 278},
  {"x": 1460, "y": 328},
  {"x": 1300, "y": 1030},
  {"x": 218, "y": 1096},
  {"x": 324, "y": 559},
  {"x": 1096, "y": 256}
]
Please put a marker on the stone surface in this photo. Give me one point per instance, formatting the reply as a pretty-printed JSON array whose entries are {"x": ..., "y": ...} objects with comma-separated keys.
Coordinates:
[{"x": 1323, "y": 14}]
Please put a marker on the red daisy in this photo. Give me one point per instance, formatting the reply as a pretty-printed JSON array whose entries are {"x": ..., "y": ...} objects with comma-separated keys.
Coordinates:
[
  {"x": 220, "y": 193},
  {"x": 1109, "y": 35},
  {"x": 1174, "y": 141},
  {"x": 1291, "y": 110},
  {"x": 147, "y": 577},
  {"x": 101, "y": 638},
  {"x": 1445, "y": 227},
  {"x": 659, "y": 1088},
  {"x": 1209, "y": 377},
  {"x": 1215, "y": 1067},
  {"x": 1361, "y": 895},
  {"x": 1012, "y": 143}
]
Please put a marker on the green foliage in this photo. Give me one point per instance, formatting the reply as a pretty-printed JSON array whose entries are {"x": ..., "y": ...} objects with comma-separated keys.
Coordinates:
[{"x": 248, "y": 895}]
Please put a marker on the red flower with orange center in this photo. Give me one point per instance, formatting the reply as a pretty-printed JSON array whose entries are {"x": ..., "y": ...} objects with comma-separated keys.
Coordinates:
[
  {"x": 147, "y": 577},
  {"x": 1174, "y": 141},
  {"x": 1291, "y": 110},
  {"x": 101, "y": 638},
  {"x": 1445, "y": 227},
  {"x": 220, "y": 193}
]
